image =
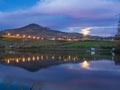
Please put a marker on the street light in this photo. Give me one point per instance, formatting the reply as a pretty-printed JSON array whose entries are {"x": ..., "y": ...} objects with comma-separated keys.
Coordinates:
[
  {"x": 38, "y": 37},
  {"x": 29, "y": 36},
  {"x": 8, "y": 34},
  {"x": 24, "y": 36},
  {"x": 17, "y": 35},
  {"x": 34, "y": 37}
]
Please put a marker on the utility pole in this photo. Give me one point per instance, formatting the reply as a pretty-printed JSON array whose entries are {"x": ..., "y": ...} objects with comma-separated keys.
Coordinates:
[{"x": 119, "y": 25}]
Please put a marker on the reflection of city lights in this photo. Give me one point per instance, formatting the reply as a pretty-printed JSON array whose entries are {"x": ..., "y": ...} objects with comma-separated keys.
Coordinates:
[
  {"x": 41, "y": 57},
  {"x": 28, "y": 58},
  {"x": 23, "y": 59},
  {"x": 33, "y": 58},
  {"x": 17, "y": 60},
  {"x": 64, "y": 59},
  {"x": 38, "y": 57},
  {"x": 74, "y": 58},
  {"x": 8, "y": 61},
  {"x": 53, "y": 57},
  {"x": 85, "y": 65},
  {"x": 60, "y": 57},
  {"x": 69, "y": 57}
]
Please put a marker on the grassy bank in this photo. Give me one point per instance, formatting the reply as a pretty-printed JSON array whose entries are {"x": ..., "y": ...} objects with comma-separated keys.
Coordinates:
[{"x": 32, "y": 44}]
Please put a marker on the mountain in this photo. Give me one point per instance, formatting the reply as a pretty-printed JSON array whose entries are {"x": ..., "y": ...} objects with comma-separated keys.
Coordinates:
[{"x": 37, "y": 30}]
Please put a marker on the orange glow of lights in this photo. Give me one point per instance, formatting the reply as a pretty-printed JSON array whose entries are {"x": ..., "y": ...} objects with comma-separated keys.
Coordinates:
[
  {"x": 17, "y": 35},
  {"x": 53, "y": 57},
  {"x": 33, "y": 58},
  {"x": 52, "y": 39},
  {"x": 17, "y": 60},
  {"x": 42, "y": 38},
  {"x": 8, "y": 61},
  {"x": 34, "y": 37},
  {"x": 29, "y": 36},
  {"x": 8, "y": 34},
  {"x": 38, "y": 57},
  {"x": 42, "y": 57},
  {"x": 85, "y": 65},
  {"x": 24, "y": 36},
  {"x": 28, "y": 58},
  {"x": 69, "y": 57},
  {"x": 38, "y": 37},
  {"x": 23, "y": 59}
]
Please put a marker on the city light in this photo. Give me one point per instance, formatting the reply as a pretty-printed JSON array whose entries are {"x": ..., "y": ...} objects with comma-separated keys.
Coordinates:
[
  {"x": 8, "y": 34},
  {"x": 38, "y": 37},
  {"x": 29, "y": 36},
  {"x": 24, "y": 36},
  {"x": 34, "y": 37},
  {"x": 17, "y": 35},
  {"x": 42, "y": 38}
]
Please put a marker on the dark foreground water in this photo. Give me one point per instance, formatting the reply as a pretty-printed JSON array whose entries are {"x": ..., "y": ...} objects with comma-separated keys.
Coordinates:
[{"x": 55, "y": 70}]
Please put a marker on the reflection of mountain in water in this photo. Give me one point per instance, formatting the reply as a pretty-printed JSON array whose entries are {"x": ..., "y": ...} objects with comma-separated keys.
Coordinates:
[{"x": 34, "y": 62}]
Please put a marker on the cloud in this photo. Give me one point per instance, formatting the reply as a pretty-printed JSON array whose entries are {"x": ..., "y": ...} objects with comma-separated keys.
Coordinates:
[
  {"x": 78, "y": 8},
  {"x": 73, "y": 8},
  {"x": 71, "y": 15},
  {"x": 95, "y": 31}
]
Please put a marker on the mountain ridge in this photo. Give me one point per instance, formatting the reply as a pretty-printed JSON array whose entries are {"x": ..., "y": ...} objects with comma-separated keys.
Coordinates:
[{"x": 37, "y": 30}]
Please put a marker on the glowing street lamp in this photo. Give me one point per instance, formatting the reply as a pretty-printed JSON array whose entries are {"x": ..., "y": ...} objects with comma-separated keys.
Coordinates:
[
  {"x": 8, "y": 34},
  {"x": 38, "y": 37},
  {"x": 29, "y": 36},
  {"x": 34, "y": 37},
  {"x": 42, "y": 38},
  {"x": 24, "y": 36},
  {"x": 17, "y": 35}
]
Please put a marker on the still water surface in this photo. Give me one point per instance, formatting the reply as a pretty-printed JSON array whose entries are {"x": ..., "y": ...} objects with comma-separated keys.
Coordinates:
[{"x": 59, "y": 70}]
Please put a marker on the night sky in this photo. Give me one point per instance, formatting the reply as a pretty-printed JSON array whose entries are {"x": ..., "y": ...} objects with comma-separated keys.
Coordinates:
[{"x": 98, "y": 17}]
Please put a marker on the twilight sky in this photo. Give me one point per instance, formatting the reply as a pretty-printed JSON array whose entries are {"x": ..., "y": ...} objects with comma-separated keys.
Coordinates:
[{"x": 98, "y": 17}]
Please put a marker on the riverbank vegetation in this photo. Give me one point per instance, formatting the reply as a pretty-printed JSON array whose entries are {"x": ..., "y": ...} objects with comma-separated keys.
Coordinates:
[{"x": 9, "y": 43}]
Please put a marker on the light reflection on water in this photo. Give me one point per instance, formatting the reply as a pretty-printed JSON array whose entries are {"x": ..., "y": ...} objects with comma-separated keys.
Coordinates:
[
  {"x": 59, "y": 71},
  {"x": 85, "y": 64}
]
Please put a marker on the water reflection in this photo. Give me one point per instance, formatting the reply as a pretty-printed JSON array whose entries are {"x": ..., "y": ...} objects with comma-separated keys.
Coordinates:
[
  {"x": 85, "y": 64},
  {"x": 44, "y": 60},
  {"x": 40, "y": 58},
  {"x": 58, "y": 70},
  {"x": 39, "y": 61},
  {"x": 117, "y": 59}
]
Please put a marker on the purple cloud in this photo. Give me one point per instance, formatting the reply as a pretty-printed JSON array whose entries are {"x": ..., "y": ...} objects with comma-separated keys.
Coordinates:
[
  {"x": 78, "y": 8},
  {"x": 62, "y": 14}
]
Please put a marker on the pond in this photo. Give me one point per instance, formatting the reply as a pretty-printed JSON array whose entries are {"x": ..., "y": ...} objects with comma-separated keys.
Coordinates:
[{"x": 59, "y": 70}]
